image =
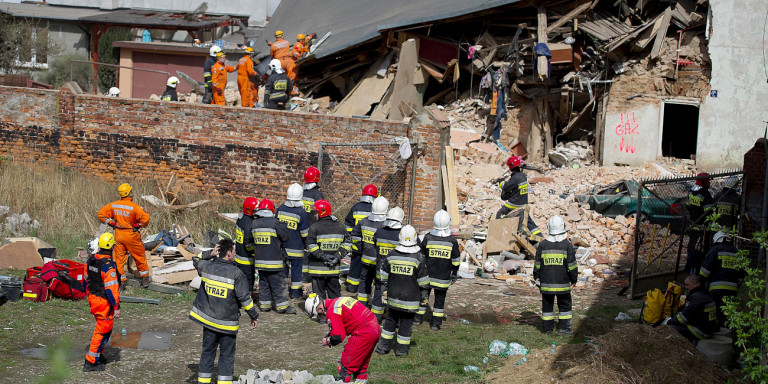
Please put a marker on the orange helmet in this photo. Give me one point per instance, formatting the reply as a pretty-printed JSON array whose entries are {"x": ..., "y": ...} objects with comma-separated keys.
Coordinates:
[
  {"x": 323, "y": 208},
  {"x": 371, "y": 190},
  {"x": 267, "y": 204},
  {"x": 249, "y": 205},
  {"x": 311, "y": 175},
  {"x": 515, "y": 161}
]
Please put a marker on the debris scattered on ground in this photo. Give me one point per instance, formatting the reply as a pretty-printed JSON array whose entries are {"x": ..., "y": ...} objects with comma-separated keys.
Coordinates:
[
  {"x": 20, "y": 224},
  {"x": 279, "y": 377}
]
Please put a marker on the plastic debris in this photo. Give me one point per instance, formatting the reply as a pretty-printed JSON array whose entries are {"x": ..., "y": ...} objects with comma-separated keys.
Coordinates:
[
  {"x": 498, "y": 347},
  {"x": 523, "y": 360},
  {"x": 464, "y": 321},
  {"x": 553, "y": 348},
  {"x": 622, "y": 316},
  {"x": 471, "y": 368},
  {"x": 517, "y": 349}
]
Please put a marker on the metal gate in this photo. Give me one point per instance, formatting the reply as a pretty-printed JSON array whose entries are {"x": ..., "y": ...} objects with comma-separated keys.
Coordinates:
[
  {"x": 663, "y": 228},
  {"x": 347, "y": 167}
]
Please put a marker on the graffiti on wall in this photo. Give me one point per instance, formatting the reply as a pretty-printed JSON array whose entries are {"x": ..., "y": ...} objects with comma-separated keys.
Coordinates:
[{"x": 627, "y": 130}]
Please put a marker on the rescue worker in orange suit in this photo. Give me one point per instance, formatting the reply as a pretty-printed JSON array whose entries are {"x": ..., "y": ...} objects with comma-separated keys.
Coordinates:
[
  {"x": 247, "y": 79},
  {"x": 219, "y": 78},
  {"x": 281, "y": 50},
  {"x": 210, "y": 61},
  {"x": 127, "y": 218},
  {"x": 222, "y": 293},
  {"x": 347, "y": 316},
  {"x": 299, "y": 47},
  {"x": 103, "y": 298}
]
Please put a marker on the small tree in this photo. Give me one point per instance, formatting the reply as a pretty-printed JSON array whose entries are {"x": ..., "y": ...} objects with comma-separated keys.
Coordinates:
[
  {"x": 58, "y": 72},
  {"x": 20, "y": 39},
  {"x": 110, "y": 55}
]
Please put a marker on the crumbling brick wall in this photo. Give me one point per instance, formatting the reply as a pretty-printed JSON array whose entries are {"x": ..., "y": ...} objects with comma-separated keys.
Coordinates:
[
  {"x": 231, "y": 151},
  {"x": 754, "y": 175}
]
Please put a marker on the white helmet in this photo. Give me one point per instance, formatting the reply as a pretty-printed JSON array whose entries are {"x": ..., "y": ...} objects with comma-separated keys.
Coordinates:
[
  {"x": 408, "y": 236},
  {"x": 396, "y": 214},
  {"x": 380, "y": 206},
  {"x": 310, "y": 305},
  {"x": 214, "y": 50},
  {"x": 442, "y": 220},
  {"x": 556, "y": 226},
  {"x": 114, "y": 91},
  {"x": 172, "y": 81},
  {"x": 276, "y": 66},
  {"x": 720, "y": 236},
  {"x": 295, "y": 192}
]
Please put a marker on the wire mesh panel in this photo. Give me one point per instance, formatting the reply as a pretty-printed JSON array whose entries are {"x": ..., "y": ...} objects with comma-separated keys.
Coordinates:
[
  {"x": 347, "y": 168},
  {"x": 669, "y": 230}
]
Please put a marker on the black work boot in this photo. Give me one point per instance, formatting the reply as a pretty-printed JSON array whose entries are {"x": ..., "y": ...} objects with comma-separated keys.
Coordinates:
[
  {"x": 548, "y": 326},
  {"x": 383, "y": 347},
  {"x": 564, "y": 327},
  {"x": 91, "y": 367},
  {"x": 418, "y": 319},
  {"x": 145, "y": 281},
  {"x": 402, "y": 350},
  {"x": 289, "y": 311},
  {"x": 434, "y": 326},
  {"x": 102, "y": 360}
]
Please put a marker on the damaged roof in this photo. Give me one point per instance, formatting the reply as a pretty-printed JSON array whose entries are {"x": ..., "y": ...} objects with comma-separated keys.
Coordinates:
[
  {"x": 162, "y": 19},
  {"x": 355, "y": 22},
  {"x": 47, "y": 11}
]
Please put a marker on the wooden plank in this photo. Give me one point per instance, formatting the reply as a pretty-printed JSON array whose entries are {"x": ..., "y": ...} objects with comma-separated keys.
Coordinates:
[
  {"x": 542, "y": 67},
  {"x": 175, "y": 277},
  {"x": 368, "y": 91},
  {"x": 568, "y": 17},
  {"x": 647, "y": 36},
  {"x": 576, "y": 119},
  {"x": 453, "y": 210},
  {"x": 130, "y": 299},
  {"x": 404, "y": 90},
  {"x": 501, "y": 235},
  {"x": 661, "y": 34},
  {"x": 525, "y": 244},
  {"x": 446, "y": 188},
  {"x": 157, "y": 287}
]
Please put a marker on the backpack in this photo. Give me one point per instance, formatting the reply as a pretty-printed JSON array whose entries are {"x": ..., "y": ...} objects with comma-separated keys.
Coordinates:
[
  {"x": 35, "y": 289},
  {"x": 67, "y": 287},
  {"x": 653, "y": 307},
  {"x": 672, "y": 299}
]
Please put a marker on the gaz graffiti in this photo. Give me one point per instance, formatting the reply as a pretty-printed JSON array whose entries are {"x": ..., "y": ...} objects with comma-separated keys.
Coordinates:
[{"x": 626, "y": 130}]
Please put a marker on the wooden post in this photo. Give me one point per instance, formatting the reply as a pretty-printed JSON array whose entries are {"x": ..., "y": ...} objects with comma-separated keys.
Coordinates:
[{"x": 541, "y": 35}]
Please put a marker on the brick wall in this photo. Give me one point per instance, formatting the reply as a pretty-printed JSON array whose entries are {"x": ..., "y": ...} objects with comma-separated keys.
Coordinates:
[
  {"x": 754, "y": 175},
  {"x": 234, "y": 151}
]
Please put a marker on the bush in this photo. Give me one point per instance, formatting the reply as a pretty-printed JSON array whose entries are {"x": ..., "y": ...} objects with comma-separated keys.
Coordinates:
[
  {"x": 110, "y": 55},
  {"x": 58, "y": 72}
]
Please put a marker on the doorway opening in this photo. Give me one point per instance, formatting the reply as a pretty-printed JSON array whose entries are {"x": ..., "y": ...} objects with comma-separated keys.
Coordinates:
[{"x": 680, "y": 130}]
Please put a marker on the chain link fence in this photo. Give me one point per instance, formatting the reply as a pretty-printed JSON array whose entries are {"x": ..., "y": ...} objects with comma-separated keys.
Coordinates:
[
  {"x": 665, "y": 226},
  {"x": 347, "y": 167}
]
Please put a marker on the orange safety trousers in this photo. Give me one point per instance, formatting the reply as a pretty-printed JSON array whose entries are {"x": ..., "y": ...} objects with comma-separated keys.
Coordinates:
[
  {"x": 128, "y": 240},
  {"x": 104, "y": 315},
  {"x": 248, "y": 92}
]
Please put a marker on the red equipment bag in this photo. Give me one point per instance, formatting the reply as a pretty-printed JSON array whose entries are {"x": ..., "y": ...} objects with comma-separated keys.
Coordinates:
[
  {"x": 35, "y": 289},
  {"x": 48, "y": 272},
  {"x": 66, "y": 287}
]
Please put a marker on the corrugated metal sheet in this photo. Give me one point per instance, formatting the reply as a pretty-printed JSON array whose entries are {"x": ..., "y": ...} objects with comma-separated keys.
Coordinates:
[{"x": 48, "y": 12}]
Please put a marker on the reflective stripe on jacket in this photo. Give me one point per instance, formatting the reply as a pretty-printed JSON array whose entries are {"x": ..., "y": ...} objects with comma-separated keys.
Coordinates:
[
  {"x": 555, "y": 266},
  {"x": 223, "y": 291}
]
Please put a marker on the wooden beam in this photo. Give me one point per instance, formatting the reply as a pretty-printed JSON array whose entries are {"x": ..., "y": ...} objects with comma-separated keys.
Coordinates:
[
  {"x": 662, "y": 33},
  {"x": 453, "y": 210},
  {"x": 575, "y": 119},
  {"x": 568, "y": 17},
  {"x": 542, "y": 66}
]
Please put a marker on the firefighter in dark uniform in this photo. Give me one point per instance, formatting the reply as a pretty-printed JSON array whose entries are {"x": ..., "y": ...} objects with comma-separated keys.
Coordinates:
[
  {"x": 727, "y": 203},
  {"x": 698, "y": 318},
  {"x": 404, "y": 276},
  {"x": 362, "y": 242},
  {"x": 327, "y": 243},
  {"x": 556, "y": 271},
  {"x": 170, "y": 93},
  {"x": 244, "y": 241},
  {"x": 208, "y": 75},
  {"x": 515, "y": 193},
  {"x": 385, "y": 239},
  {"x": 359, "y": 211},
  {"x": 721, "y": 269},
  {"x": 311, "y": 194},
  {"x": 699, "y": 197},
  {"x": 269, "y": 235},
  {"x": 441, "y": 249},
  {"x": 278, "y": 87},
  {"x": 292, "y": 214},
  {"x": 223, "y": 291}
]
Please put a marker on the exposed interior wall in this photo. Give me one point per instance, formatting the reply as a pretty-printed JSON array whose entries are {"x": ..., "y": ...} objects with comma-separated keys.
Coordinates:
[{"x": 632, "y": 133}]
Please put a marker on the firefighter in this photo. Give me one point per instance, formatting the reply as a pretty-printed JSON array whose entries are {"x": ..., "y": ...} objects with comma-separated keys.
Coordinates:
[
  {"x": 223, "y": 291},
  {"x": 727, "y": 204},
  {"x": 698, "y": 318},
  {"x": 127, "y": 218},
  {"x": 170, "y": 90},
  {"x": 269, "y": 235},
  {"x": 698, "y": 198},
  {"x": 358, "y": 212},
  {"x": 347, "y": 316},
  {"x": 555, "y": 271},
  {"x": 721, "y": 269},
  {"x": 210, "y": 61},
  {"x": 362, "y": 243},
  {"x": 327, "y": 243},
  {"x": 515, "y": 193},
  {"x": 293, "y": 215},
  {"x": 298, "y": 49},
  {"x": 103, "y": 283},
  {"x": 247, "y": 79},
  {"x": 114, "y": 92},
  {"x": 280, "y": 49},
  {"x": 219, "y": 77},
  {"x": 403, "y": 275},
  {"x": 311, "y": 194},
  {"x": 277, "y": 89},
  {"x": 441, "y": 249},
  {"x": 385, "y": 240},
  {"x": 244, "y": 246}
]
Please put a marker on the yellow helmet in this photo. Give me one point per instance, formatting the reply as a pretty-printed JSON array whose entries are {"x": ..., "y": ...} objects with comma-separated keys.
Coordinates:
[
  {"x": 124, "y": 189},
  {"x": 248, "y": 50},
  {"x": 278, "y": 34},
  {"x": 106, "y": 241},
  {"x": 220, "y": 54},
  {"x": 300, "y": 36}
]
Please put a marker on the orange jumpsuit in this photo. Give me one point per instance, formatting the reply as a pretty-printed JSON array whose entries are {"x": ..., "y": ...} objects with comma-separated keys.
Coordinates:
[
  {"x": 128, "y": 217},
  {"x": 219, "y": 78},
  {"x": 248, "y": 92},
  {"x": 281, "y": 50},
  {"x": 298, "y": 50},
  {"x": 104, "y": 299}
]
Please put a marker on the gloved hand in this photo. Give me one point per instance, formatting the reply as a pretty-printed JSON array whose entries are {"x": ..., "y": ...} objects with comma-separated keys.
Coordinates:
[
  {"x": 329, "y": 260},
  {"x": 537, "y": 282},
  {"x": 218, "y": 90},
  {"x": 111, "y": 223},
  {"x": 136, "y": 227},
  {"x": 326, "y": 342},
  {"x": 454, "y": 277}
]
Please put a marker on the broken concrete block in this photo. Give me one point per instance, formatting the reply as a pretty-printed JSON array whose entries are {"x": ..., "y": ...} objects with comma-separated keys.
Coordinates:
[
  {"x": 4, "y": 210},
  {"x": 18, "y": 225},
  {"x": 20, "y": 255},
  {"x": 557, "y": 159},
  {"x": 326, "y": 379},
  {"x": 301, "y": 377}
]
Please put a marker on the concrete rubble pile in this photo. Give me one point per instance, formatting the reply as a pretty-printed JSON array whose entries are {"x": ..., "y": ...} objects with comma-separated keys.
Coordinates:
[
  {"x": 18, "y": 224},
  {"x": 284, "y": 377}
]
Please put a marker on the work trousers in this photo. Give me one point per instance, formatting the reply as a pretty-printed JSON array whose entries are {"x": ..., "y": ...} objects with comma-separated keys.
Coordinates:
[
  {"x": 354, "y": 275},
  {"x": 129, "y": 241},
  {"x": 249, "y": 94},
  {"x": 683, "y": 330},
  {"x": 564, "y": 303},
  {"x": 293, "y": 269},
  {"x": 719, "y": 296},
  {"x": 353, "y": 366},
  {"x": 250, "y": 273},
  {"x": 438, "y": 308},
  {"x": 305, "y": 268},
  {"x": 104, "y": 315},
  {"x": 532, "y": 227},
  {"x": 402, "y": 322},
  {"x": 326, "y": 287},
  {"x": 369, "y": 292},
  {"x": 271, "y": 288},
  {"x": 226, "y": 344}
]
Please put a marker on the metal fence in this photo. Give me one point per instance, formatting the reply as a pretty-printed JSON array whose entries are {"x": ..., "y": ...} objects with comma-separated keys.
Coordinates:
[
  {"x": 347, "y": 167},
  {"x": 663, "y": 228}
]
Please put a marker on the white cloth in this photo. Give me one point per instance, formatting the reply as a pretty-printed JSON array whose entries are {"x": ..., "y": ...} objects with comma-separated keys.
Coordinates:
[
  {"x": 408, "y": 249},
  {"x": 393, "y": 224},
  {"x": 264, "y": 213},
  {"x": 441, "y": 232},
  {"x": 367, "y": 199},
  {"x": 309, "y": 186},
  {"x": 294, "y": 203},
  {"x": 557, "y": 238}
]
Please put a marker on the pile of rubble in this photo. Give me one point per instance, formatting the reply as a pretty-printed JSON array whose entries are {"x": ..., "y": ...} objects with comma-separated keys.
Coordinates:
[
  {"x": 18, "y": 224},
  {"x": 284, "y": 377}
]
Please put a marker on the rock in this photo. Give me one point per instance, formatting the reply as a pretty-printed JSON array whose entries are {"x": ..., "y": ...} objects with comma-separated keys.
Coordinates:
[
  {"x": 4, "y": 210},
  {"x": 326, "y": 379},
  {"x": 557, "y": 159},
  {"x": 620, "y": 219},
  {"x": 287, "y": 376},
  {"x": 301, "y": 377},
  {"x": 18, "y": 225},
  {"x": 484, "y": 171}
]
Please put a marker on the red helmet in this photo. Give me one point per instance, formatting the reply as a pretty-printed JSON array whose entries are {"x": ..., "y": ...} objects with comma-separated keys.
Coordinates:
[
  {"x": 249, "y": 205},
  {"x": 371, "y": 190},
  {"x": 323, "y": 208},
  {"x": 703, "y": 182},
  {"x": 311, "y": 175},
  {"x": 267, "y": 204},
  {"x": 515, "y": 161}
]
